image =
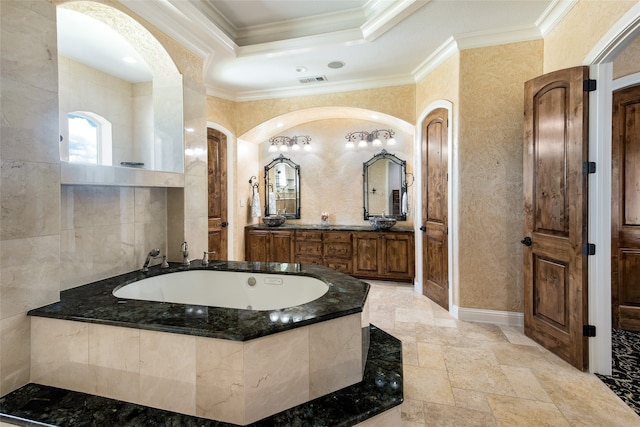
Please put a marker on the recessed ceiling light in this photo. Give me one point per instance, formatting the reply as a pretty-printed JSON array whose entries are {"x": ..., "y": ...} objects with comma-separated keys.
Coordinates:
[
  {"x": 301, "y": 69},
  {"x": 335, "y": 64},
  {"x": 129, "y": 59}
]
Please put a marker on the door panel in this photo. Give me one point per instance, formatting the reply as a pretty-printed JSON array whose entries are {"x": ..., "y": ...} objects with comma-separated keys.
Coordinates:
[
  {"x": 555, "y": 219},
  {"x": 217, "y": 193},
  {"x": 625, "y": 212},
  {"x": 435, "y": 280}
]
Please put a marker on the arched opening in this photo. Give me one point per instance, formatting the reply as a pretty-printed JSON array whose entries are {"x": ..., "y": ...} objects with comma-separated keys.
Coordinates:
[{"x": 600, "y": 60}]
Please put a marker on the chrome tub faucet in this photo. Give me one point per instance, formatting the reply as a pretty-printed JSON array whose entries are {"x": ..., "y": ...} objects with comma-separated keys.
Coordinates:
[
  {"x": 185, "y": 254},
  {"x": 154, "y": 254},
  {"x": 205, "y": 257}
]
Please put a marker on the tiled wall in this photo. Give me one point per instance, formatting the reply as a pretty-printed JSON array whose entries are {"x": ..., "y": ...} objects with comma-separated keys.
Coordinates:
[
  {"x": 30, "y": 182},
  {"x": 107, "y": 231},
  {"x": 237, "y": 382},
  {"x": 54, "y": 237}
]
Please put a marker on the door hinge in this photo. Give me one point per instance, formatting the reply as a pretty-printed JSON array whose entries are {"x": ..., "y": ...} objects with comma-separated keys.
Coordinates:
[
  {"x": 589, "y": 85},
  {"x": 588, "y": 331},
  {"x": 446, "y": 231},
  {"x": 588, "y": 249},
  {"x": 588, "y": 167}
]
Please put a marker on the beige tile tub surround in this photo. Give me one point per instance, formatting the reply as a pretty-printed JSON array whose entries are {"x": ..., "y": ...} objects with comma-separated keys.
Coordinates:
[{"x": 231, "y": 381}]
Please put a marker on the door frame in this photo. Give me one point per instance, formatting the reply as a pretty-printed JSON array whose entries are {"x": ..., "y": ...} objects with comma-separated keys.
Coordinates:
[
  {"x": 599, "y": 59},
  {"x": 231, "y": 195},
  {"x": 452, "y": 204}
]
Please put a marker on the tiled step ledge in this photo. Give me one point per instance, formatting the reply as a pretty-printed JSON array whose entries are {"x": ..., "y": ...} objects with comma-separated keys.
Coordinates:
[{"x": 374, "y": 401}]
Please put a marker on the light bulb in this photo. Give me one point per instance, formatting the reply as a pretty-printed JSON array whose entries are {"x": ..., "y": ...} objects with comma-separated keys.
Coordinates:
[
  {"x": 284, "y": 147},
  {"x": 273, "y": 148},
  {"x": 391, "y": 141},
  {"x": 295, "y": 146},
  {"x": 349, "y": 145},
  {"x": 362, "y": 143},
  {"x": 376, "y": 142}
]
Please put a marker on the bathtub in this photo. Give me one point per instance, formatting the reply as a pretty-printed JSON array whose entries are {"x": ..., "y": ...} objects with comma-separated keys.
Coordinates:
[{"x": 229, "y": 289}]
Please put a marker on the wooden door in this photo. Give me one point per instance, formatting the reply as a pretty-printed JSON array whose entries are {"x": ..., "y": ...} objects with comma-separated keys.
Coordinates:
[
  {"x": 625, "y": 209},
  {"x": 555, "y": 213},
  {"x": 435, "y": 258},
  {"x": 217, "y": 167}
]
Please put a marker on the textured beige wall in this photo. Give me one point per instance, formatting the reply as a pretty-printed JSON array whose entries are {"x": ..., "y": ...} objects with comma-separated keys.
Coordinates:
[
  {"x": 440, "y": 84},
  {"x": 490, "y": 173},
  {"x": 397, "y": 101},
  {"x": 572, "y": 39},
  {"x": 627, "y": 62},
  {"x": 222, "y": 112},
  {"x": 330, "y": 175}
]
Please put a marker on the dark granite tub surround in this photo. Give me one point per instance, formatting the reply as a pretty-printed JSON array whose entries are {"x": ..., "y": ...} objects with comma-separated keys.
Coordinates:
[
  {"x": 379, "y": 391},
  {"x": 95, "y": 303}
]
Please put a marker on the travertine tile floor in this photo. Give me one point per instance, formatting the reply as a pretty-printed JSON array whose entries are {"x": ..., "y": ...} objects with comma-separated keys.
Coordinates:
[{"x": 460, "y": 373}]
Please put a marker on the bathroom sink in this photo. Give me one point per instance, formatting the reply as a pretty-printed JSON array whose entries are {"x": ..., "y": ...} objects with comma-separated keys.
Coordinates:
[
  {"x": 273, "y": 220},
  {"x": 382, "y": 222}
]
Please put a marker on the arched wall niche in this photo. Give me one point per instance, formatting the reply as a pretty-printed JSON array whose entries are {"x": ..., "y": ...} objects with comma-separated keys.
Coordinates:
[
  {"x": 147, "y": 116},
  {"x": 330, "y": 174}
]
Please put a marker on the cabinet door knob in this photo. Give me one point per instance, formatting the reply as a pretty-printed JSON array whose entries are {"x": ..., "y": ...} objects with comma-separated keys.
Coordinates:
[{"x": 423, "y": 228}]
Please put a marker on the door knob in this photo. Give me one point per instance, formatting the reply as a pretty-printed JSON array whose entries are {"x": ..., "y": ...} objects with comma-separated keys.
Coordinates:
[
  {"x": 224, "y": 224},
  {"x": 423, "y": 228},
  {"x": 526, "y": 241}
]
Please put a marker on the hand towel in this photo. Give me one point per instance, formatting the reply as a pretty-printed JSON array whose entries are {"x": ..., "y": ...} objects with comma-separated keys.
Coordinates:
[
  {"x": 405, "y": 203},
  {"x": 256, "y": 211},
  {"x": 272, "y": 204}
]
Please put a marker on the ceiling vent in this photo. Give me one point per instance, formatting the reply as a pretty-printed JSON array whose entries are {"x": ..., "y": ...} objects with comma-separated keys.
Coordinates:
[{"x": 316, "y": 79}]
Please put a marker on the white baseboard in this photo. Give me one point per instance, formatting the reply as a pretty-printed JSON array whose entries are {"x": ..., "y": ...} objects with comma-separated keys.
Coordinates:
[{"x": 510, "y": 318}]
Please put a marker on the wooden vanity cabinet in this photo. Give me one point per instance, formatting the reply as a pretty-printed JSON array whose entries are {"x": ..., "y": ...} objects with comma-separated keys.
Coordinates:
[
  {"x": 308, "y": 247},
  {"x": 338, "y": 251},
  {"x": 384, "y": 255},
  {"x": 268, "y": 245}
]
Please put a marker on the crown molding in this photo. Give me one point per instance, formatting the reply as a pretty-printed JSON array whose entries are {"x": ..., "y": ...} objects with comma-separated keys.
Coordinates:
[
  {"x": 494, "y": 38},
  {"x": 313, "y": 89},
  {"x": 173, "y": 23},
  {"x": 433, "y": 61},
  {"x": 385, "y": 16},
  {"x": 553, "y": 14},
  {"x": 473, "y": 41},
  {"x": 303, "y": 27}
]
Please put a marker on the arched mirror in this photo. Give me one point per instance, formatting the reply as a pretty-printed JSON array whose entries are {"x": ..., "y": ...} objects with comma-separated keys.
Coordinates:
[
  {"x": 385, "y": 186},
  {"x": 282, "y": 184}
]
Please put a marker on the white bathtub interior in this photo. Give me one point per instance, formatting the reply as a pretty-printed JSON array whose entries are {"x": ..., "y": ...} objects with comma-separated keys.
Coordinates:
[{"x": 231, "y": 289}]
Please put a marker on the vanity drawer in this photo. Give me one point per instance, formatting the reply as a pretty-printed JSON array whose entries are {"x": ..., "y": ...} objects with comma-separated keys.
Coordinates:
[
  {"x": 337, "y": 237},
  {"x": 338, "y": 250},
  {"x": 341, "y": 265},
  {"x": 307, "y": 236},
  {"x": 309, "y": 260},
  {"x": 309, "y": 248}
]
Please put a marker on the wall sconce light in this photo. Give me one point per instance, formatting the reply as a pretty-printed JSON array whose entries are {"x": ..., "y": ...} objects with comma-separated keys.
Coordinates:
[
  {"x": 283, "y": 143},
  {"x": 375, "y": 137}
]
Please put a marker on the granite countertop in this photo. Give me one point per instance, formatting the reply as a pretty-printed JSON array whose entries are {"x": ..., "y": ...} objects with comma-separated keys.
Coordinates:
[
  {"x": 95, "y": 303},
  {"x": 330, "y": 227}
]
